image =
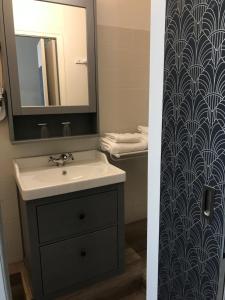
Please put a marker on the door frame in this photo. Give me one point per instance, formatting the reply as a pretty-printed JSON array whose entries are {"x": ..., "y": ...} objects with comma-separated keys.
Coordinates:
[
  {"x": 5, "y": 290},
  {"x": 157, "y": 39}
]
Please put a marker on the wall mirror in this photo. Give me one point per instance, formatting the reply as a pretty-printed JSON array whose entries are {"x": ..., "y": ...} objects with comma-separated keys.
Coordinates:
[
  {"x": 49, "y": 57},
  {"x": 54, "y": 64},
  {"x": 51, "y": 47}
]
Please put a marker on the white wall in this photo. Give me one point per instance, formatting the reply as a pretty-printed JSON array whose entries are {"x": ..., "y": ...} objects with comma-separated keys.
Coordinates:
[{"x": 155, "y": 125}]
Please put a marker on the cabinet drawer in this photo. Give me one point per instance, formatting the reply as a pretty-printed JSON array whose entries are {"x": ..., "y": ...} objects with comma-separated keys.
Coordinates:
[
  {"x": 76, "y": 216},
  {"x": 75, "y": 261}
]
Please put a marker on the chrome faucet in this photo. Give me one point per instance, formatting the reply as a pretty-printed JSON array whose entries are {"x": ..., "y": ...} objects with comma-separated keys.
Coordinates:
[{"x": 61, "y": 160}]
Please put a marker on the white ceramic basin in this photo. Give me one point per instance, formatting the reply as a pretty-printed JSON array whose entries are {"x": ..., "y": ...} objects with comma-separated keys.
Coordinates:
[{"x": 37, "y": 179}]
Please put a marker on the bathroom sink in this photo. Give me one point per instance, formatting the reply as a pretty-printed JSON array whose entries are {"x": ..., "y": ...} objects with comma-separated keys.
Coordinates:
[{"x": 36, "y": 178}]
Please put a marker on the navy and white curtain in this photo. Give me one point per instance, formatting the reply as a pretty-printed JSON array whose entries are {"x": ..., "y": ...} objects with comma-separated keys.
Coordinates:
[{"x": 193, "y": 149}]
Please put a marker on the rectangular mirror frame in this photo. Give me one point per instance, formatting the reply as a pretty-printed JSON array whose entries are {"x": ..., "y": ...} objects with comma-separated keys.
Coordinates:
[{"x": 10, "y": 61}]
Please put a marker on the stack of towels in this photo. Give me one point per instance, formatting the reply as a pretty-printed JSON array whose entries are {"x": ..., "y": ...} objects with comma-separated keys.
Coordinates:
[{"x": 118, "y": 143}]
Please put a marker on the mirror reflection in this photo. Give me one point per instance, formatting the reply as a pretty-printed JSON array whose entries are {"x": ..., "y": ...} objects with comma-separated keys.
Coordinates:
[{"x": 51, "y": 46}]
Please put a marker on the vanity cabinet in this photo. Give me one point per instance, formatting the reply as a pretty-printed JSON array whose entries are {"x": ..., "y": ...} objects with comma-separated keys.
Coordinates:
[{"x": 73, "y": 240}]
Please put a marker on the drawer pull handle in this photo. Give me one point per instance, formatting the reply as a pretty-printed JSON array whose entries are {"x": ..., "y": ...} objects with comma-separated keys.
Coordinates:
[
  {"x": 82, "y": 216},
  {"x": 83, "y": 253}
]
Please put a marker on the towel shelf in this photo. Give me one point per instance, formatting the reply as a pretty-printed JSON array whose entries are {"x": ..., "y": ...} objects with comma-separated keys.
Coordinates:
[{"x": 128, "y": 155}]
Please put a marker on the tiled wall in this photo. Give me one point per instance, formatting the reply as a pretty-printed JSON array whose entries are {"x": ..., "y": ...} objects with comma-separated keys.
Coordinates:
[
  {"x": 123, "y": 96},
  {"x": 123, "y": 54},
  {"x": 193, "y": 149},
  {"x": 123, "y": 78}
]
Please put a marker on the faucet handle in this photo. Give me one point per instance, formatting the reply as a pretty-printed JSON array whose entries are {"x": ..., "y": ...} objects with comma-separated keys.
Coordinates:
[
  {"x": 71, "y": 156},
  {"x": 51, "y": 159},
  {"x": 67, "y": 156}
]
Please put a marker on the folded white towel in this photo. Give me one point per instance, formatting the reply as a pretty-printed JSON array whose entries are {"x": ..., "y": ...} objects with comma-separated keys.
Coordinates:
[
  {"x": 145, "y": 137},
  {"x": 118, "y": 148},
  {"x": 124, "y": 137},
  {"x": 142, "y": 129}
]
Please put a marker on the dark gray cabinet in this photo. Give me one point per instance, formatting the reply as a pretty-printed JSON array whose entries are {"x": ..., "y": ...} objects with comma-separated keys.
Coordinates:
[
  {"x": 84, "y": 258},
  {"x": 73, "y": 240},
  {"x": 77, "y": 216}
]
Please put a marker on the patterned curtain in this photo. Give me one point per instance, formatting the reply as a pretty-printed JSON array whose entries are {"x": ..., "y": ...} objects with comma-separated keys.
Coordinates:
[{"x": 193, "y": 149}]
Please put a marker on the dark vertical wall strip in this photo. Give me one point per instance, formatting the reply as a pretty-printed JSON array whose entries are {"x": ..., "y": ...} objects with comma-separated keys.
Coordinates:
[{"x": 193, "y": 149}]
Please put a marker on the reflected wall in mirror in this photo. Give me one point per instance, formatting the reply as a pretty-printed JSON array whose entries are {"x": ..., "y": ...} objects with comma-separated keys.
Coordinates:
[{"x": 51, "y": 47}]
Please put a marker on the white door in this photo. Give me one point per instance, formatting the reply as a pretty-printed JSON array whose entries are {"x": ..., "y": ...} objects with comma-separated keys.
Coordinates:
[
  {"x": 43, "y": 70},
  {"x": 52, "y": 72}
]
